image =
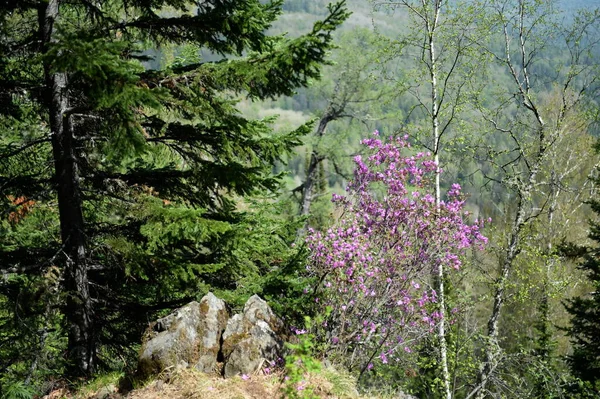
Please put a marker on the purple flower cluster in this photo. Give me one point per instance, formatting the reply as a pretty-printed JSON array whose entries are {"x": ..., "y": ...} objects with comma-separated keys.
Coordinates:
[{"x": 375, "y": 265}]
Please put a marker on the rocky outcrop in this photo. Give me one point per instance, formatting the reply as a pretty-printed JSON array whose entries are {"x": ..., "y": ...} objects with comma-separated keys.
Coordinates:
[
  {"x": 202, "y": 335},
  {"x": 251, "y": 338},
  {"x": 190, "y": 336},
  {"x": 214, "y": 316}
]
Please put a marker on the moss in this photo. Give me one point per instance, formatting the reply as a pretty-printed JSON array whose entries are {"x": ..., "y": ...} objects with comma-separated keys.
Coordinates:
[
  {"x": 223, "y": 317},
  {"x": 185, "y": 348},
  {"x": 249, "y": 347},
  {"x": 231, "y": 342},
  {"x": 204, "y": 307}
]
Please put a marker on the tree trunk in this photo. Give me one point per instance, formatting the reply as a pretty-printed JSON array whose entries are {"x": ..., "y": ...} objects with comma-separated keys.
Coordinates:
[
  {"x": 435, "y": 126},
  {"x": 311, "y": 172},
  {"x": 493, "y": 347},
  {"x": 78, "y": 309},
  {"x": 309, "y": 183},
  {"x": 513, "y": 249}
]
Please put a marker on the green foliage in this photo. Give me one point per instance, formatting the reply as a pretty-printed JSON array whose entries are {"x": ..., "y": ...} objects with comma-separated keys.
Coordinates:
[
  {"x": 139, "y": 185},
  {"x": 91, "y": 388},
  {"x": 579, "y": 389},
  {"x": 585, "y": 316},
  {"x": 285, "y": 287},
  {"x": 16, "y": 390},
  {"x": 300, "y": 362}
]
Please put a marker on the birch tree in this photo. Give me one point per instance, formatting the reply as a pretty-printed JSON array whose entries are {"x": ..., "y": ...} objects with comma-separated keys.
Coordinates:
[
  {"x": 533, "y": 132},
  {"x": 437, "y": 62}
]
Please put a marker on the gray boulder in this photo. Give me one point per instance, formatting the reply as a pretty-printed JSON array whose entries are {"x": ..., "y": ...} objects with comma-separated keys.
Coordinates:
[
  {"x": 214, "y": 315},
  {"x": 257, "y": 309},
  {"x": 202, "y": 335},
  {"x": 251, "y": 338},
  {"x": 188, "y": 337}
]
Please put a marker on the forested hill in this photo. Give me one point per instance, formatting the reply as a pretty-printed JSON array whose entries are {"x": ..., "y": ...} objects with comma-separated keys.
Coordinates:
[
  {"x": 363, "y": 11},
  {"x": 411, "y": 185},
  {"x": 359, "y": 61}
]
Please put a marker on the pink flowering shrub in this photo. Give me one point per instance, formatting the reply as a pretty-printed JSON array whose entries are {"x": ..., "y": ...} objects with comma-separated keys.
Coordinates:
[{"x": 375, "y": 266}]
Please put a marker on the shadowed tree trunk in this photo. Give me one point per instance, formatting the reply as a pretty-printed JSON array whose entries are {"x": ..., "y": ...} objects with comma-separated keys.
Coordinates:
[
  {"x": 308, "y": 187},
  {"x": 78, "y": 309}
]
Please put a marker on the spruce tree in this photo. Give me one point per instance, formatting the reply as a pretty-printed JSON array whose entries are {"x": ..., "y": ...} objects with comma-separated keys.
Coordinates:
[{"x": 126, "y": 181}]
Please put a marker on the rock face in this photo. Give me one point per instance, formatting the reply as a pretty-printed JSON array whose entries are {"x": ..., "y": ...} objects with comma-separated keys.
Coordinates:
[
  {"x": 202, "y": 335},
  {"x": 190, "y": 336},
  {"x": 251, "y": 338}
]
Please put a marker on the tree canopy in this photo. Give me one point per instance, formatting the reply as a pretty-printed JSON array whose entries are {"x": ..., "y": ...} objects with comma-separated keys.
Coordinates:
[{"x": 128, "y": 187}]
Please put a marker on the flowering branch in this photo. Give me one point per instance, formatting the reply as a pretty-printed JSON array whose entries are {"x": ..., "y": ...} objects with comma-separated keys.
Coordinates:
[{"x": 374, "y": 265}]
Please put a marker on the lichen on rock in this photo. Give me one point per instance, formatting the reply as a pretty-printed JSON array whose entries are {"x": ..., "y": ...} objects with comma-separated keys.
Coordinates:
[{"x": 202, "y": 335}]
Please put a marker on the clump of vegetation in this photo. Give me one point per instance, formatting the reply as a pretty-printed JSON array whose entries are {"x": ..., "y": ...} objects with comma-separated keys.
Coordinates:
[{"x": 375, "y": 264}]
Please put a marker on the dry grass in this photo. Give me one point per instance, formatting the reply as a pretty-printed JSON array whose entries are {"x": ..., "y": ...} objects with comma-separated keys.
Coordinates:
[{"x": 192, "y": 384}]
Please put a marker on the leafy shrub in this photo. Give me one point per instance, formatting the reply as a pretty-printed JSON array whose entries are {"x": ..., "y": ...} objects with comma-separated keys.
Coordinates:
[{"x": 374, "y": 266}]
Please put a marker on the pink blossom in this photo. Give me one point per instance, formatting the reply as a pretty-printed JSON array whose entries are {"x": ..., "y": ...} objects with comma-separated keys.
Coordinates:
[
  {"x": 383, "y": 358},
  {"x": 379, "y": 256}
]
